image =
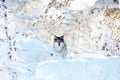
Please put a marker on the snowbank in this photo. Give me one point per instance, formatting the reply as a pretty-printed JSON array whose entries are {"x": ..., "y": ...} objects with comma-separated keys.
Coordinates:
[{"x": 91, "y": 69}]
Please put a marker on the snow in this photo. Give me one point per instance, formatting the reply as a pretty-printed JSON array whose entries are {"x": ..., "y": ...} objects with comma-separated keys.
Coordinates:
[
  {"x": 81, "y": 4},
  {"x": 26, "y": 37},
  {"x": 38, "y": 64},
  {"x": 93, "y": 69},
  {"x": 30, "y": 49},
  {"x": 6, "y": 75}
]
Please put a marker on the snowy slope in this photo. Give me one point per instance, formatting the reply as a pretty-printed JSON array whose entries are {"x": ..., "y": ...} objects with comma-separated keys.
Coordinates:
[
  {"x": 26, "y": 34},
  {"x": 38, "y": 64},
  {"x": 91, "y": 69},
  {"x": 77, "y": 67}
]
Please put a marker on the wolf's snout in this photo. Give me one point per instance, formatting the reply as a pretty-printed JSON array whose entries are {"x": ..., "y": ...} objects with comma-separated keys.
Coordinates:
[{"x": 59, "y": 43}]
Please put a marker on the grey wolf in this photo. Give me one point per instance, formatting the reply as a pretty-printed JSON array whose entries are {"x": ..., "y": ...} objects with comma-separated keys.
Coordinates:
[{"x": 59, "y": 46}]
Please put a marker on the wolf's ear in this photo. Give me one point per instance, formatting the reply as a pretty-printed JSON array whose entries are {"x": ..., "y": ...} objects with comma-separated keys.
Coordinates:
[
  {"x": 62, "y": 36},
  {"x": 55, "y": 36}
]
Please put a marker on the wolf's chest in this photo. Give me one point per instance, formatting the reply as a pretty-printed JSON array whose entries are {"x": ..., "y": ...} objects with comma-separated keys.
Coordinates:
[{"x": 58, "y": 48}]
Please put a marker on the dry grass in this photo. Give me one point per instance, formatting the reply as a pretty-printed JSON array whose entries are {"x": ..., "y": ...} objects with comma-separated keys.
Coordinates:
[{"x": 112, "y": 14}]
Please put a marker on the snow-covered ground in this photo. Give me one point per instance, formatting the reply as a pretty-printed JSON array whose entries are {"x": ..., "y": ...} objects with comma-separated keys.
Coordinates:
[
  {"x": 36, "y": 63},
  {"x": 26, "y": 34}
]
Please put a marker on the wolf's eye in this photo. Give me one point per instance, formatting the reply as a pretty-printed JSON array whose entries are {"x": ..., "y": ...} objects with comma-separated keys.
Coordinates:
[
  {"x": 62, "y": 40},
  {"x": 55, "y": 39}
]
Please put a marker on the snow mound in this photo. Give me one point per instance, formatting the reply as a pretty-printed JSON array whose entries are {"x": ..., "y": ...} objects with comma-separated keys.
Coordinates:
[{"x": 92, "y": 69}]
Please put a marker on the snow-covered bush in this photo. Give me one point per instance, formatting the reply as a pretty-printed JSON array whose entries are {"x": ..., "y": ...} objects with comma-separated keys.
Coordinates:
[{"x": 84, "y": 28}]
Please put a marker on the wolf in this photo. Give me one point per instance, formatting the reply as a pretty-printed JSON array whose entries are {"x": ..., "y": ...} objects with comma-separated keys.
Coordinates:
[{"x": 59, "y": 46}]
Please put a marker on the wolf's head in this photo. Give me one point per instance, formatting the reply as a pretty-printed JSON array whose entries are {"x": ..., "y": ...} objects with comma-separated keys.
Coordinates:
[{"x": 59, "y": 40}]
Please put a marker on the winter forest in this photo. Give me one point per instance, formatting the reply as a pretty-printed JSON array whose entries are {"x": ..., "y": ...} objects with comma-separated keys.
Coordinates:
[{"x": 91, "y": 30}]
